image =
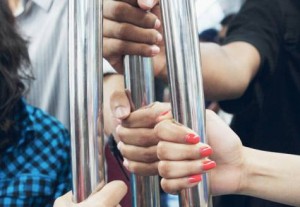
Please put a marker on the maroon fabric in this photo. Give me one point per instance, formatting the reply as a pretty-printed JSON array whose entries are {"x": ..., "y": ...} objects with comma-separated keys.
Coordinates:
[{"x": 115, "y": 172}]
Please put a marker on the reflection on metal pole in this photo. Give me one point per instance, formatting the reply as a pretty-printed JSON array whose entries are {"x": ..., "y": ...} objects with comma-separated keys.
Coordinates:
[
  {"x": 139, "y": 80},
  {"x": 184, "y": 70},
  {"x": 85, "y": 84}
]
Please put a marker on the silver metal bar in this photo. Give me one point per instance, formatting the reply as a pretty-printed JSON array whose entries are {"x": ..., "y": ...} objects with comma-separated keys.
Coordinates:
[
  {"x": 85, "y": 85},
  {"x": 139, "y": 80},
  {"x": 184, "y": 72}
]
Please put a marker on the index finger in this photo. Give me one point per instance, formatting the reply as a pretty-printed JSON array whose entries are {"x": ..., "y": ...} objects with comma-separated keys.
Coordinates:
[
  {"x": 171, "y": 131},
  {"x": 146, "y": 117}
]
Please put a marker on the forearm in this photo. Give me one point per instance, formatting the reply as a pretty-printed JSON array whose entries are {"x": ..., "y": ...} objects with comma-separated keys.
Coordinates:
[
  {"x": 111, "y": 83},
  {"x": 272, "y": 176},
  {"x": 227, "y": 70}
]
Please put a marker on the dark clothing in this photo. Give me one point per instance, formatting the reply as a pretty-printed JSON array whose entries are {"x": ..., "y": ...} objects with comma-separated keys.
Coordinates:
[
  {"x": 35, "y": 167},
  {"x": 267, "y": 116},
  {"x": 116, "y": 170}
]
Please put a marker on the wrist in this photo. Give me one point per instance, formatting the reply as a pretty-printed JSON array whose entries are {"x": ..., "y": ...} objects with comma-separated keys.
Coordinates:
[
  {"x": 246, "y": 170},
  {"x": 255, "y": 172}
]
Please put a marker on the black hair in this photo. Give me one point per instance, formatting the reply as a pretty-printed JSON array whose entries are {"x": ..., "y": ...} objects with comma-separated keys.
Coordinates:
[{"x": 13, "y": 57}]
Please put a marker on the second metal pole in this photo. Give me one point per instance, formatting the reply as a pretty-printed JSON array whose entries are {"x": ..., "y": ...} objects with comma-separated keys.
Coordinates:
[
  {"x": 139, "y": 80},
  {"x": 184, "y": 71}
]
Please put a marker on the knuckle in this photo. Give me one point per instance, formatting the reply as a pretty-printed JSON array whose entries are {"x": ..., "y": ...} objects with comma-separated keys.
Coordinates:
[
  {"x": 122, "y": 31},
  {"x": 161, "y": 151},
  {"x": 144, "y": 140},
  {"x": 121, "y": 47},
  {"x": 157, "y": 129},
  {"x": 134, "y": 168},
  {"x": 165, "y": 186},
  {"x": 149, "y": 156},
  {"x": 163, "y": 169},
  {"x": 117, "y": 10}
]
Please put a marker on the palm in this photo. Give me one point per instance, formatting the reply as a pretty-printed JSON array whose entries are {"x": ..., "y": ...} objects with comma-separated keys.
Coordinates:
[{"x": 226, "y": 176}]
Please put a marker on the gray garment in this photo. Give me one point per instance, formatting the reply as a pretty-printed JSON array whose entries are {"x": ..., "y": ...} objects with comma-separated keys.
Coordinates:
[{"x": 44, "y": 23}]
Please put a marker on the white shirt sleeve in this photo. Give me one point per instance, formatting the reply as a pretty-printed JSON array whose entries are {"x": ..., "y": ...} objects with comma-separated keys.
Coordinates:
[{"x": 107, "y": 68}]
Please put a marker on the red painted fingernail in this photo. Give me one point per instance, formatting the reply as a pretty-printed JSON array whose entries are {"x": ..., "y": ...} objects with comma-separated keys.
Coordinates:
[
  {"x": 205, "y": 151},
  {"x": 195, "y": 178},
  {"x": 192, "y": 138},
  {"x": 160, "y": 116},
  {"x": 208, "y": 164},
  {"x": 164, "y": 113}
]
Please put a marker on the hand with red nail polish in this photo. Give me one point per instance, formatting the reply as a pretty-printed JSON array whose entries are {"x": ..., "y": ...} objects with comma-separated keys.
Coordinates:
[
  {"x": 232, "y": 168},
  {"x": 183, "y": 158}
]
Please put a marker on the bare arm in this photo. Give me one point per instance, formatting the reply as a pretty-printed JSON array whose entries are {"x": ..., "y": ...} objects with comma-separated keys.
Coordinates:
[
  {"x": 272, "y": 176},
  {"x": 228, "y": 70}
]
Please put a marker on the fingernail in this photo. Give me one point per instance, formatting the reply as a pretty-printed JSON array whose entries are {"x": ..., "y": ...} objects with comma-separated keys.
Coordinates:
[
  {"x": 164, "y": 113},
  {"x": 159, "y": 37},
  {"x": 192, "y": 138},
  {"x": 125, "y": 163},
  {"x": 195, "y": 178},
  {"x": 160, "y": 116},
  {"x": 208, "y": 164},
  {"x": 120, "y": 112},
  {"x": 154, "y": 50},
  {"x": 149, "y": 3},
  {"x": 119, "y": 146},
  {"x": 157, "y": 24},
  {"x": 205, "y": 151}
]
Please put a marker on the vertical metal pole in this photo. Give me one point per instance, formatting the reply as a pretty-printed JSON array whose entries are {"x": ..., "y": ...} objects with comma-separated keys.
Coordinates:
[
  {"x": 184, "y": 71},
  {"x": 85, "y": 84},
  {"x": 139, "y": 80}
]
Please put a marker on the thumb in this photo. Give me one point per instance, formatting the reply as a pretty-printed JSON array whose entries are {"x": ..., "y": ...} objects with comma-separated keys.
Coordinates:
[
  {"x": 64, "y": 200},
  {"x": 120, "y": 105},
  {"x": 147, "y": 4}
]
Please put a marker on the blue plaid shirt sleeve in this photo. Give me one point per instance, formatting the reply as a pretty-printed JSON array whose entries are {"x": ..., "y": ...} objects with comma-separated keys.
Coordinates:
[{"x": 36, "y": 167}]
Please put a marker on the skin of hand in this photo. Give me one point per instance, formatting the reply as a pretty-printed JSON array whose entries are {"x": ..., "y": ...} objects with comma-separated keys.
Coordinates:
[
  {"x": 109, "y": 196},
  {"x": 128, "y": 29},
  {"x": 135, "y": 133},
  {"x": 232, "y": 168},
  {"x": 182, "y": 161},
  {"x": 113, "y": 86}
]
